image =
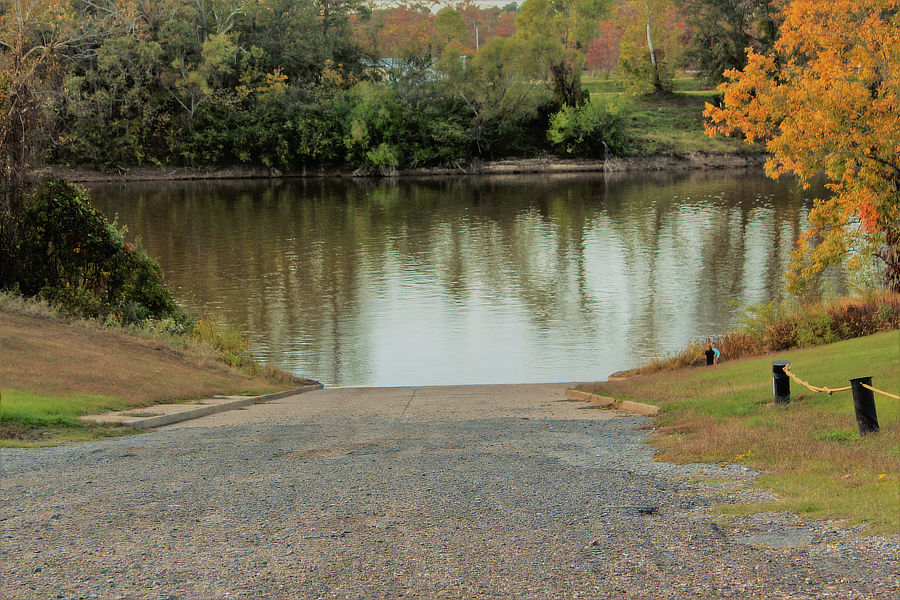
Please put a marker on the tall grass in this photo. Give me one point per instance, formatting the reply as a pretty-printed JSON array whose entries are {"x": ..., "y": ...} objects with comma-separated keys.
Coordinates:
[
  {"x": 777, "y": 326},
  {"x": 32, "y": 307},
  {"x": 233, "y": 348}
]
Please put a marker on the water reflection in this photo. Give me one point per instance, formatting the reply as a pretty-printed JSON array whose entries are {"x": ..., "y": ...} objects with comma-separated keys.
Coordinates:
[{"x": 503, "y": 279}]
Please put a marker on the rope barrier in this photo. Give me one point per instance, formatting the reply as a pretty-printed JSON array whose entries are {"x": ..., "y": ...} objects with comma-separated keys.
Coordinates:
[
  {"x": 813, "y": 388},
  {"x": 882, "y": 392},
  {"x": 829, "y": 391}
]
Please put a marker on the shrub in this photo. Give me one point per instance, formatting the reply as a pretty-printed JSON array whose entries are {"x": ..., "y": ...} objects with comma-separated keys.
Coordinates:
[
  {"x": 72, "y": 256},
  {"x": 375, "y": 126},
  {"x": 592, "y": 129}
]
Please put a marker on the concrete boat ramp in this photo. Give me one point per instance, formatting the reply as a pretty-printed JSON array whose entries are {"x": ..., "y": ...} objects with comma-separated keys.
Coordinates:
[{"x": 468, "y": 492}]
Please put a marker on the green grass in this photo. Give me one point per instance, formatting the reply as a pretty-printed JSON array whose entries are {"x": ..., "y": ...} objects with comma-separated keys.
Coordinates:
[
  {"x": 673, "y": 124},
  {"x": 668, "y": 124},
  {"x": 28, "y": 419},
  {"x": 810, "y": 450},
  {"x": 46, "y": 410},
  {"x": 599, "y": 85}
]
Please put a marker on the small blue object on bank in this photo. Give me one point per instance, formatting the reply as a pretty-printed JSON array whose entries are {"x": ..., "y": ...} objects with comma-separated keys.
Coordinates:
[{"x": 781, "y": 382}]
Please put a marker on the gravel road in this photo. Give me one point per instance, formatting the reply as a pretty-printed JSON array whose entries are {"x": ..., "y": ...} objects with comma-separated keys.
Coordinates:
[{"x": 467, "y": 492}]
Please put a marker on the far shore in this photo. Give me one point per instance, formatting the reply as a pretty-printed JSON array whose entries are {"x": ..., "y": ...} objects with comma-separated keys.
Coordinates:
[{"x": 689, "y": 161}]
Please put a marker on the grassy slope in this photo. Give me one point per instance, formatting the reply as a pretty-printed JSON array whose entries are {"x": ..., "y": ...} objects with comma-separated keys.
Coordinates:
[
  {"x": 809, "y": 449},
  {"x": 54, "y": 370},
  {"x": 671, "y": 123}
]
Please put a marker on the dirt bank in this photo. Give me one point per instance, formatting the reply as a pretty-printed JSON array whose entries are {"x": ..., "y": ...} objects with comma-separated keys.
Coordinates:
[
  {"x": 53, "y": 356},
  {"x": 694, "y": 160}
]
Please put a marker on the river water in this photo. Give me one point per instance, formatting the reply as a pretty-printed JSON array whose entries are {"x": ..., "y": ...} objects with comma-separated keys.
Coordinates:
[{"x": 533, "y": 278}]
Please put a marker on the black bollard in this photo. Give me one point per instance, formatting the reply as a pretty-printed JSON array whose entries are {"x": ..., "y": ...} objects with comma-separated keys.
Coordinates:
[
  {"x": 782, "y": 382},
  {"x": 864, "y": 405}
]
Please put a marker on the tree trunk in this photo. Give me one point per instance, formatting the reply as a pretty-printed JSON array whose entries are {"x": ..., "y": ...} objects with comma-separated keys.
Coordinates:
[
  {"x": 891, "y": 258},
  {"x": 656, "y": 81}
]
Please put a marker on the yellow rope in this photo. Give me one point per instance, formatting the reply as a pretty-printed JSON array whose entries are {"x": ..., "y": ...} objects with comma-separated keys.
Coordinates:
[
  {"x": 813, "y": 388},
  {"x": 877, "y": 391},
  {"x": 829, "y": 391}
]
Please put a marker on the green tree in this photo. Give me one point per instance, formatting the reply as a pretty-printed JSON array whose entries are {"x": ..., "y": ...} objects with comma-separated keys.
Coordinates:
[
  {"x": 450, "y": 29},
  {"x": 650, "y": 44},
  {"x": 334, "y": 17},
  {"x": 495, "y": 87},
  {"x": 202, "y": 82},
  {"x": 194, "y": 84},
  {"x": 557, "y": 32},
  {"x": 113, "y": 111},
  {"x": 721, "y": 31},
  {"x": 296, "y": 37},
  {"x": 375, "y": 122}
]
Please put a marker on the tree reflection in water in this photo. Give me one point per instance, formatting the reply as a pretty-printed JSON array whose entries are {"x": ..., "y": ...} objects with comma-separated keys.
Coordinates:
[{"x": 470, "y": 280}]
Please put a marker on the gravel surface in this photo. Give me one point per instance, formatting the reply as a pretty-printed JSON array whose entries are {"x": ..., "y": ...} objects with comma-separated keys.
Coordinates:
[{"x": 420, "y": 494}]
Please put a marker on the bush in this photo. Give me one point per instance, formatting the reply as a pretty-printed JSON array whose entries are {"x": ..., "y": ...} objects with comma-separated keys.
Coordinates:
[
  {"x": 592, "y": 129},
  {"x": 390, "y": 126},
  {"x": 72, "y": 256}
]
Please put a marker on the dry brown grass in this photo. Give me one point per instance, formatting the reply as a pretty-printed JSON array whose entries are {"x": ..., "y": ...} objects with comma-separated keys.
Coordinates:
[{"x": 46, "y": 354}]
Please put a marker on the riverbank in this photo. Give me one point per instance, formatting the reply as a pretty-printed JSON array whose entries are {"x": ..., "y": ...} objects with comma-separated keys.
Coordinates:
[
  {"x": 687, "y": 161},
  {"x": 809, "y": 449},
  {"x": 55, "y": 369}
]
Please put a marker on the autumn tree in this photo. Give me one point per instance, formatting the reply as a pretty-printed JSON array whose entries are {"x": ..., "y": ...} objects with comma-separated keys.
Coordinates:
[
  {"x": 35, "y": 38},
  {"x": 506, "y": 21},
  {"x": 827, "y": 98},
  {"x": 484, "y": 23},
  {"x": 406, "y": 31},
  {"x": 603, "y": 51}
]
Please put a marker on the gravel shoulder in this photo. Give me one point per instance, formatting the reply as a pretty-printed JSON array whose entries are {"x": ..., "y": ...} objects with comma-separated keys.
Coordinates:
[{"x": 465, "y": 492}]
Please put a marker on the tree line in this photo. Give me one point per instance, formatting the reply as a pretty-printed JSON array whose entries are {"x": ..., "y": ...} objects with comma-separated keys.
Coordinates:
[
  {"x": 285, "y": 83},
  {"x": 291, "y": 84}
]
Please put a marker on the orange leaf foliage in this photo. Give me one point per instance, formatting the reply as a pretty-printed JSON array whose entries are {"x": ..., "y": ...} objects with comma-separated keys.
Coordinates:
[{"x": 826, "y": 100}]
